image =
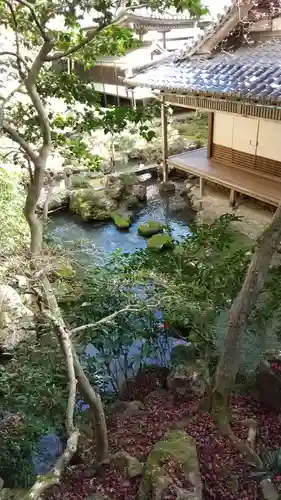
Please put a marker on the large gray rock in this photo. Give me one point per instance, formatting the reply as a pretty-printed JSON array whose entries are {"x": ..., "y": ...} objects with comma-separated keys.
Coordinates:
[
  {"x": 188, "y": 375},
  {"x": 267, "y": 384},
  {"x": 178, "y": 451},
  {"x": 92, "y": 205},
  {"x": 114, "y": 187},
  {"x": 58, "y": 198},
  {"x": 139, "y": 191},
  {"x": 16, "y": 320}
]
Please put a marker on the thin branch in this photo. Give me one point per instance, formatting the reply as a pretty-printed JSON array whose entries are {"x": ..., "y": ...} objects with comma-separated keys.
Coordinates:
[
  {"x": 35, "y": 18},
  {"x": 36, "y": 100},
  {"x": 14, "y": 54},
  {"x": 11, "y": 94},
  {"x": 15, "y": 136},
  {"x": 11, "y": 8},
  {"x": 107, "y": 319},
  {"x": 43, "y": 483},
  {"x": 90, "y": 36},
  {"x": 61, "y": 55}
]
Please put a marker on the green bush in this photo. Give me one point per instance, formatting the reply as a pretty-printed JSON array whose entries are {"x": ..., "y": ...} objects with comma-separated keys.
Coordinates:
[{"x": 13, "y": 227}]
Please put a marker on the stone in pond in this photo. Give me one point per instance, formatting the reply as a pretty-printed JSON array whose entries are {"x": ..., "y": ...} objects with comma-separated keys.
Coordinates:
[
  {"x": 177, "y": 450},
  {"x": 150, "y": 228},
  {"x": 132, "y": 203},
  {"x": 167, "y": 187},
  {"x": 121, "y": 221},
  {"x": 114, "y": 187},
  {"x": 159, "y": 241},
  {"x": 92, "y": 205},
  {"x": 140, "y": 191},
  {"x": 267, "y": 386}
]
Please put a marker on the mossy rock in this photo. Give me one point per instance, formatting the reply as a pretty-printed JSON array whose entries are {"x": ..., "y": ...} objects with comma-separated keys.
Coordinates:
[
  {"x": 178, "y": 448},
  {"x": 132, "y": 203},
  {"x": 121, "y": 221},
  {"x": 160, "y": 241},
  {"x": 150, "y": 228},
  {"x": 12, "y": 494},
  {"x": 92, "y": 205},
  {"x": 183, "y": 353},
  {"x": 167, "y": 187},
  {"x": 80, "y": 181}
]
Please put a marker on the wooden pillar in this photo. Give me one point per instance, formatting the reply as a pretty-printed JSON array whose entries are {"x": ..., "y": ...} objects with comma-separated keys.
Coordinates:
[
  {"x": 232, "y": 198},
  {"x": 164, "y": 126},
  {"x": 210, "y": 134},
  {"x": 117, "y": 85},
  {"x": 201, "y": 187}
]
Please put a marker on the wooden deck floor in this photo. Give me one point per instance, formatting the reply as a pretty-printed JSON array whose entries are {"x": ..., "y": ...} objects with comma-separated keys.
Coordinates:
[{"x": 234, "y": 178}]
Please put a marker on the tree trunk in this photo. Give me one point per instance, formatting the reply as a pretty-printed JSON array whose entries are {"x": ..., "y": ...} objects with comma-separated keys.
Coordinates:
[
  {"x": 92, "y": 398},
  {"x": 238, "y": 319},
  {"x": 35, "y": 224},
  {"x": 89, "y": 394}
]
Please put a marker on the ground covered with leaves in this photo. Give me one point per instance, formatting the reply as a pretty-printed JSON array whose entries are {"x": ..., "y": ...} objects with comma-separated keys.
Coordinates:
[{"x": 225, "y": 475}]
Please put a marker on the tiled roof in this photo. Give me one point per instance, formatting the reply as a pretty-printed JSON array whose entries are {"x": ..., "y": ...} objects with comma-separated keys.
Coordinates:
[{"x": 252, "y": 72}]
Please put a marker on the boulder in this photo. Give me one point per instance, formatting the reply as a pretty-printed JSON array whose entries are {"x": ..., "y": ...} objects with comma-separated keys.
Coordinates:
[
  {"x": 126, "y": 408},
  {"x": 132, "y": 203},
  {"x": 150, "y": 228},
  {"x": 114, "y": 187},
  {"x": 122, "y": 221},
  {"x": 59, "y": 198},
  {"x": 139, "y": 191},
  {"x": 267, "y": 384},
  {"x": 80, "y": 181},
  {"x": 167, "y": 187},
  {"x": 187, "y": 378},
  {"x": 16, "y": 320},
  {"x": 183, "y": 353},
  {"x": 131, "y": 466},
  {"x": 160, "y": 241},
  {"x": 92, "y": 205},
  {"x": 181, "y": 474},
  {"x": 12, "y": 493}
]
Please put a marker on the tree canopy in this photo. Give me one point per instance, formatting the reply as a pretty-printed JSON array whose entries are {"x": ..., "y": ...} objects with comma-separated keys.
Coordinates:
[{"x": 43, "y": 34}]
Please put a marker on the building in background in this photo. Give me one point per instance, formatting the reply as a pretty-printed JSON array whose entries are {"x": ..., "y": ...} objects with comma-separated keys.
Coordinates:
[{"x": 159, "y": 34}]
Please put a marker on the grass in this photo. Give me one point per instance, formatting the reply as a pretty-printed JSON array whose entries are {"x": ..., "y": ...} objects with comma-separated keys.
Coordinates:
[{"x": 195, "y": 128}]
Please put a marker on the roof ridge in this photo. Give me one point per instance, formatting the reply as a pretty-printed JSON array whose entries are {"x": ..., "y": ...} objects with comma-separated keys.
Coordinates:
[{"x": 228, "y": 10}]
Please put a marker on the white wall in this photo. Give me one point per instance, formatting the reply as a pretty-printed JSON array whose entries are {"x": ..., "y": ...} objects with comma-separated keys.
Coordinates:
[{"x": 250, "y": 135}]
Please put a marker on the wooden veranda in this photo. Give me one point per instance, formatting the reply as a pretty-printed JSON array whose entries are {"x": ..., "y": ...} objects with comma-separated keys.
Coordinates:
[{"x": 233, "y": 177}]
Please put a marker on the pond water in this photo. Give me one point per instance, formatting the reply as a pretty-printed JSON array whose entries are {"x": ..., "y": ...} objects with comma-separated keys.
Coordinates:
[
  {"x": 94, "y": 243},
  {"x": 97, "y": 241}
]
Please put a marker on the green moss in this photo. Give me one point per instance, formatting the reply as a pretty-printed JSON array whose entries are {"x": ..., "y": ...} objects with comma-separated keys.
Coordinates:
[
  {"x": 80, "y": 181},
  {"x": 121, "y": 221},
  {"x": 176, "y": 446},
  {"x": 150, "y": 228},
  {"x": 132, "y": 202},
  {"x": 92, "y": 205},
  {"x": 159, "y": 241}
]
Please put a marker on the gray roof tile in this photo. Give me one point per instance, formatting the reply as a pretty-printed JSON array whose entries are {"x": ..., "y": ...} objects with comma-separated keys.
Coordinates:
[{"x": 253, "y": 71}]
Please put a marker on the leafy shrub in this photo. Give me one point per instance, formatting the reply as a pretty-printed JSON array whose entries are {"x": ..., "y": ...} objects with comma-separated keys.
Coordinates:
[{"x": 13, "y": 227}]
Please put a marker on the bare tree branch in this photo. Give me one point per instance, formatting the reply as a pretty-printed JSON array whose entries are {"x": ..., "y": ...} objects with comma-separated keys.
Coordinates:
[
  {"x": 53, "y": 477},
  {"x": 15, "y": 136},
  {"x": 36, "y": 100},
  {"x": 90, "y": 36},
  {"x": 35, "y": 18},
  {"x": 14, "y": 54},
  {"x": 107, "y": 319},
  {"x": 11, "y": 8}
]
